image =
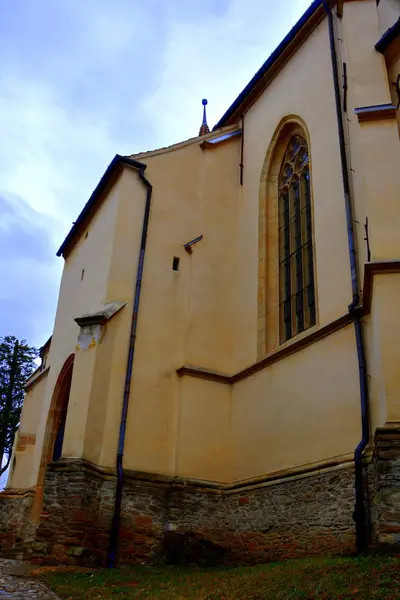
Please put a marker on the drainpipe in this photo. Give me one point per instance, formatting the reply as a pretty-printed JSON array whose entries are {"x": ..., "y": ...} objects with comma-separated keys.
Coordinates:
[
  {"x": 359, "y": 512},
  {"x": 115, "y": 525}
]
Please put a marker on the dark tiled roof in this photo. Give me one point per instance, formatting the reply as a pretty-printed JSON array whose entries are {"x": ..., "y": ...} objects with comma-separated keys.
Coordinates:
[
  {"x": 388, "y": 37},
  {"x": 114, "y": 165},
  {"x": 251, "y": 86}
]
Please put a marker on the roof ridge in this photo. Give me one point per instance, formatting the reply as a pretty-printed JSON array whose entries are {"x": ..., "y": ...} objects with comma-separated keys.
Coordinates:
[{"x": 181, "y": 144}]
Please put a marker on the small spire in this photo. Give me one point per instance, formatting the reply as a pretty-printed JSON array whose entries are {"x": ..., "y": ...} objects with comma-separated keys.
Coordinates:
[{"x": 204, "y": 127}]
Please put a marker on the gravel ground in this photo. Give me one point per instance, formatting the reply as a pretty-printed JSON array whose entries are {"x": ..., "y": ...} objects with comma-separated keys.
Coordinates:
[{"x": 16, "y": 585}]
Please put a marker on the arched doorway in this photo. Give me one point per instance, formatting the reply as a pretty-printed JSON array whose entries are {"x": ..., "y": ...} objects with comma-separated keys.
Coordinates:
[
  {"x": 59, "y": 416},
  {"x": 55, "y": 427}
]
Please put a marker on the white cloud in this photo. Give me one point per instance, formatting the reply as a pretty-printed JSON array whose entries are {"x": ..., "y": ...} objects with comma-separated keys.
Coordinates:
[
  {"x": 83, "y": 81},
  {"x": 215, "y": 57},
  {"x": 28, "y": 272},
  {"x": 50, "y": 153},
  {"x": 56, "y": 149}
]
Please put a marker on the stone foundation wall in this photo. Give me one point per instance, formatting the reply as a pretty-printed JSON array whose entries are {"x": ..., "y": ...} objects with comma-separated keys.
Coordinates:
[
  {"x": 286, "y": 519},
  {"x": 385, "y": 498},
  {"x": 15, "y": 525},
  {"x": 166, "y": 521},
  {"x": 143, "y": 518},
  {"x": 76, "y": 515}
]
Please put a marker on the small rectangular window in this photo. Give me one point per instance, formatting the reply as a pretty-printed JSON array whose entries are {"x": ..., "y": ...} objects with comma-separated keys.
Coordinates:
[{"x": 175, "y": 263}]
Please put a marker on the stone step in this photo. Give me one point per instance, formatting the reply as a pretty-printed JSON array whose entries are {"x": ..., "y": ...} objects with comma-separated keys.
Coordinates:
[
  {"x": 16, "y": 556},
  {"x": 21, "y": 551},
  {"x": 22, "y": 545},
  {"x": 23, "y": 556}
]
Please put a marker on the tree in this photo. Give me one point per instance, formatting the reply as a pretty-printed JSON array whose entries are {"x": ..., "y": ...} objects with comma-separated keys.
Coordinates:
[{"x": 17, "y": 363}]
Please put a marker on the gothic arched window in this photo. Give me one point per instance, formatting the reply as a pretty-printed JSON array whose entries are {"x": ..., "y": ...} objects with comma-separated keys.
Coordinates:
[{"x": 296, "y": 263}]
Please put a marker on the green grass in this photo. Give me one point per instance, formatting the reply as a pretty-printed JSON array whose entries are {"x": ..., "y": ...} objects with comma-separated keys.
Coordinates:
[{"x": 312, "y": 579}]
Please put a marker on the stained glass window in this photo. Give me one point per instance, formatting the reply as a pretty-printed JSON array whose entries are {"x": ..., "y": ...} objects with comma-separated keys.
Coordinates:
[{"x": 296, "y": 269}]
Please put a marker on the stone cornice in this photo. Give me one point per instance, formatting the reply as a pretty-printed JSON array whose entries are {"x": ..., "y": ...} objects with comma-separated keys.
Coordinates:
[
  {"x": 217, "y": 141},
  {"x": 371, "y": 269},
  {"x": 75, "y": 465},
  {"x": 387, "y": 433},
  {"x": 283, "y": 351},
  {"x": 11, "y": 494},
  {"x": 380, "y": 112},
  {"x": 100, "y": 316}
]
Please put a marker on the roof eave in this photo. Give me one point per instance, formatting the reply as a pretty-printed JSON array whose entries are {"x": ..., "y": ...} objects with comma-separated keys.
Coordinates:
[
  {"x": 110, "y": 172},
  {"x": 45, "y": 348},
  {"x": 313, "y": 16},
  {"x": 388, "y": 37}
]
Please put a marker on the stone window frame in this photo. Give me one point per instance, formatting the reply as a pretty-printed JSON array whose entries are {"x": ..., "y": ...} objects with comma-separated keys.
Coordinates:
[{"x": 268, "y": 320}]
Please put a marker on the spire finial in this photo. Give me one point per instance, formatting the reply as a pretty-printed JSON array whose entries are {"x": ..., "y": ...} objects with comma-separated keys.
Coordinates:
[{"x": 204, "y": 127}]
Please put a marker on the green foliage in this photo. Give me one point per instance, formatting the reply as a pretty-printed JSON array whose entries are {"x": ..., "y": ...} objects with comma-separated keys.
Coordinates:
[
  {"x": 311, "y": 579},
  {"x": 17, "y": 363}
]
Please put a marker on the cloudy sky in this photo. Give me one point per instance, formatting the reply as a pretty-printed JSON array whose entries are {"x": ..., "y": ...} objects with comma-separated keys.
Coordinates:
[{"x": 82, "y": 80}]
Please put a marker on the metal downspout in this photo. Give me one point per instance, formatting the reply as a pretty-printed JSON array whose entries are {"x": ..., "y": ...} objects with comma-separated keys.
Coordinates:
[
  {"x": 115, "y": 525},
  {"x": 359, "y": 512}
]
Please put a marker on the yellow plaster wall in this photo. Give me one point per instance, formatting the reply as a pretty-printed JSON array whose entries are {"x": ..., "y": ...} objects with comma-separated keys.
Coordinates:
[
  {"x": 378, "y": 143},
  {"x": 308, "y": 94},
  {"x": 100, "y": 440},
  {"x": 22, "y": 472},
  {"x": 376, "y": 385},
  {"x": 101, "y": 444},
  {"x": 367, "y": 77},
  {"x": 205, "y": 431},
  {"x": 79, "y": 399},
  {"x": 33, "y": 406},
  {"x": 393, "y": 66},
  {"x": 373, "y": 145},
  {"x": 302, "y": 409},
  {"x": 383, "y": 350},
  {"x": 207, "y": 309},
  {"x": 93, "y": 254},
  {"x": 186, "y": 317}
]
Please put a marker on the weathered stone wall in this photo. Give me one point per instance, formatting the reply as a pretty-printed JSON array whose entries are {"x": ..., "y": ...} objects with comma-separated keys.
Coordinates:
[
  {"x": 282, "y": 519},
  {"x": 15, "y": 525},
  {"x": 143, "y": 517},
  {"x": 76, "y": 516},
  {"x": 164, "y": 520},
  {"x": 385, "y": 499}
]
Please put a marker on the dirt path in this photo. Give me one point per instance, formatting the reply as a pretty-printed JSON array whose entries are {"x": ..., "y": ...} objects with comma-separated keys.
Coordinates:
[{"x": 16, "y": 585}]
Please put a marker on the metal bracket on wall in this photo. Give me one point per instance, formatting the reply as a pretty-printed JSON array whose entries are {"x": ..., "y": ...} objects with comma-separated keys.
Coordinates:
[
  {"x": 396, "y": 85},
  {"x": 188, "y": 246}
]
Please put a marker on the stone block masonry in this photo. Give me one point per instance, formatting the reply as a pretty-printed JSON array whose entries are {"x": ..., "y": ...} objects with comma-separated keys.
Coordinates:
[
  {"x": 385, "y": 502},
  {"x": 290, "y": 518},
  {"x": 15, "y": 526},
  {"x": 76, "y": 516},
  {"x": 169, "y": 520},
  {"x": 163, "y": 520}
]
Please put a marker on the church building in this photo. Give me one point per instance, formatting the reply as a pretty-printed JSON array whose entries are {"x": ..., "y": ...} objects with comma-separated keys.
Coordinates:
[{"x": 223, "y": 380}]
